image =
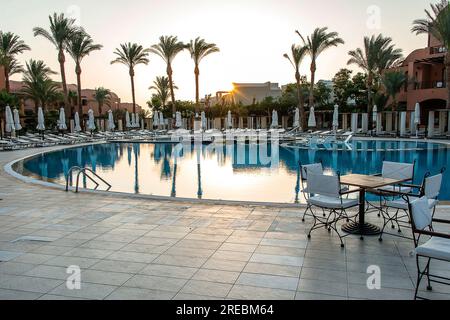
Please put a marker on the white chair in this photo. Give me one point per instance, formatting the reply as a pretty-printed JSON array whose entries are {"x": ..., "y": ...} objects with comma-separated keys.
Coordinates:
[
  {"x": 437, "y": 247},
  {"x": 325, "y": 192},
  {"x": 431, "y": 188},
  {"x": 397, "y": 171},
  {"x": 315, "y": 168}
]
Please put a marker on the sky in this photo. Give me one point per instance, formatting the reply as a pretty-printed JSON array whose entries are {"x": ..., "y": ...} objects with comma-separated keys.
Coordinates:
[{"x": 252, "y": 36}]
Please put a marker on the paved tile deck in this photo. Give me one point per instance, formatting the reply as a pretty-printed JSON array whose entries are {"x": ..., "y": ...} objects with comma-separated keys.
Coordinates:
[{"x": 145, "y": 249}]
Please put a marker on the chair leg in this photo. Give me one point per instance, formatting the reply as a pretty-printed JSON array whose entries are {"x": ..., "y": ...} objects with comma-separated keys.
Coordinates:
[
  {"x": 429, "y": 287},
  {"x": 381, "y": 205},
  {"x": 419, "y": 277},
  {"x": 385, "y": 222},
  {"x": 313, "y": 227},
  {"x": 308, "y": 207}
]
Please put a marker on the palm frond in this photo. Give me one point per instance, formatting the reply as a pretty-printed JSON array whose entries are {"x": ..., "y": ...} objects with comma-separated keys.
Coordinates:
[{"x": 131, "y": 54}]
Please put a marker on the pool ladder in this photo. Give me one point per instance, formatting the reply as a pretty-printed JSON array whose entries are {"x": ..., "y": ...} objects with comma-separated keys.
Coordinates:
[{"x": 85, "y": 172}]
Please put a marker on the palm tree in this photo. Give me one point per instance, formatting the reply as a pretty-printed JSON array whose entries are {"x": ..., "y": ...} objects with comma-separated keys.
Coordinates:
[
  {"x": 199, "y": 49},
  {"x": 162, "y": 87},
  {"x": 102, "y": 96},
  {"x": 61, "y": 30},
  {"x": 393, "y": 81},
  {"x": 437, "y": 23},
  {"x": 318, "y": 42},
  {"x": 131, "y": 54},
  {"x": 10, "y": 46},
  {"x": 79, "y": 46},
  {"x": 14, "y": 67},
  {"x": 37, "y": 84},
  {"x": 296, "y": 58},
  {"x": 73, "y": 99},
  {"x": 377, "y": 55},
  {"x": 167, "y": 48}
]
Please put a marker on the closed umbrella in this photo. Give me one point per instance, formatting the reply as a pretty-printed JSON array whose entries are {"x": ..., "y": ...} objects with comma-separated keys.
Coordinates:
[
  {"x": 127, "y": 120},
  {"x": 41, "y": 121},
  {"x": 91, "y": 120},
  {"x": 178, "y": 121},
  {"x": 155, "y": 119},
  {"x": 229, "y": 120},
  {"x": 133, "y": 120},
  {"x": 335, "y": 118},
  {"x": 274, "y": 119},
  {"x": 375, "y": 113},
  {"x": 203, "y": 116},
  {"x": 311, "y": 118},
  {"x": 9, "y": 121},
  {"x": 161, "y": 119},
  {"x": 417, "y": 117},
  {"x": 77, "y": 123},
  {"x": 111, "y": 125},
  {"x": 375, "y": 118},
  {"x": 17, "y": 124},
  {"x": 62, "y": 120},
  {"x": 136, "y": 121},
  {"x": 296, "y": 118}
]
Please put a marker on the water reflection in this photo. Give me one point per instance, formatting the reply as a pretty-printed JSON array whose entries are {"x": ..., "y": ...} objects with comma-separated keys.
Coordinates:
[{"x": 234, "y": 171}]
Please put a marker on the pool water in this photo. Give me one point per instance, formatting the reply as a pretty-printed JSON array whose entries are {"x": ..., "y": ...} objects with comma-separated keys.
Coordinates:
[{"x": 262, "y": 172}]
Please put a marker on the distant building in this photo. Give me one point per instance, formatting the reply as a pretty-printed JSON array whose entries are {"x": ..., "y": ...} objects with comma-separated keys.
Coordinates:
[
  {"x": 249, "y": 93},
  {"x": 129, "y": 106},
  {"x": 87, "y": 100},
  {"x": 425, "y": 71}
]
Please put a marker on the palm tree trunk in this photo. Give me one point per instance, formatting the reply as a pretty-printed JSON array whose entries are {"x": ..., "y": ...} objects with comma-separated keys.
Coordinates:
[
  {"x": 172, "y": 94},
  {"x": 36, "y": 106},
  {"x": 301, "y": 103},
  {"x": 197, "y": 99},
  {"x": 78, "y": 72},
  {"x": 100, "y": 106},
  {"x": 311, "y": 88},
  {"x": 5, "y": 69},
  {"x": 369, "y": 94},
  {"x": 132, "y": 89},
  {"x": 62, "y": 60}
]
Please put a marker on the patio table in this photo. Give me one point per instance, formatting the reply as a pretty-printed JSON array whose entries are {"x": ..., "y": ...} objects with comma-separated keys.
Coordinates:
[{"x": 364, "y": 183}]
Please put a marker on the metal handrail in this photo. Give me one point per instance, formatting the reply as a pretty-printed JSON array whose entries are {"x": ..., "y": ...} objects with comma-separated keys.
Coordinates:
[{"x": 84, "y": 172}]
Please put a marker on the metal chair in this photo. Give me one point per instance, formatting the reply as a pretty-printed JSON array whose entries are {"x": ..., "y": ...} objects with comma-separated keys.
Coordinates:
[
  {"x": 315, "y": 168},
  {"x": 397, "y": 171},
  {"x": 325, "y": 192},
  {"x": 430, "y": 187},
  {"x": 437, "y": 247}
]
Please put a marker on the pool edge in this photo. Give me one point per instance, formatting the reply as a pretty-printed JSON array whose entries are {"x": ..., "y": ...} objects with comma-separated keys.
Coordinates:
[{"x": 8, "y": 168}]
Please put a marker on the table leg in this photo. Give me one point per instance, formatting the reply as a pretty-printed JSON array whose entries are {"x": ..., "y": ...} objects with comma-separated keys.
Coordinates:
[{"x": 361, "y": 227}]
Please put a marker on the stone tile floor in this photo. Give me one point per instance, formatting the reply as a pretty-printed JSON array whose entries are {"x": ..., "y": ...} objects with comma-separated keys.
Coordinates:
[{"x": 145, "y": 249}]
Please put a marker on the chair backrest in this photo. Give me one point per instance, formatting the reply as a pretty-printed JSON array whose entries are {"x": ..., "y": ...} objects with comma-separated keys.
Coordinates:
[
  {"x": 421, "y": 214},
  {"x": 314, "y": 168},
  {"x": 397, "y": 170},
  {"x": 432, "y": 186},
  {"x": 320, "y": 184}
]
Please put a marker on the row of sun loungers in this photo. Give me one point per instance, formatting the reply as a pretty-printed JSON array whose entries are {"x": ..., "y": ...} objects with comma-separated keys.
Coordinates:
[{"x": 211, "y": 135}]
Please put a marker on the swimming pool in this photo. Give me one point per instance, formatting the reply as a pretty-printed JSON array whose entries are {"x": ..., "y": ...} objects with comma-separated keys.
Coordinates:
[{"x": 262, "y": 172}]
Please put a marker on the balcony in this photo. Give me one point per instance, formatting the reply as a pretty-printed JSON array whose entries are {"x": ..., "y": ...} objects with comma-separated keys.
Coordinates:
[
  {"x": 430, "y": 85},
  {"x": 437, "y": 50}
]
